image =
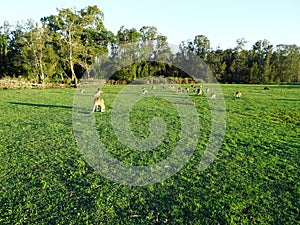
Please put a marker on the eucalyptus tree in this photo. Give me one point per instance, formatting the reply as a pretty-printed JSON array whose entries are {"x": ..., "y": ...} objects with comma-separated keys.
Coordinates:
[
  {"x": 127, "y": 48},
  {"x": 4, "y": 48},
  {"x": 239, "y": 66},
  {"x": 78, "y": 36},
  {"x": 16, "y": 62},
  {"x": 33, "y": 53},
  {"x": 217, "y": 63},
  {"x": 137, "y": 52},
  {"x": 286, "y": 63},
  {"x": 293, "y": 59},
  {"x": 155, "y": 49},
  {"x": 199, "y": 47},
  {"x": 259, "y": 62},
  {"x": 96, "y": 38},
  {"x": 154, "y": 42}
]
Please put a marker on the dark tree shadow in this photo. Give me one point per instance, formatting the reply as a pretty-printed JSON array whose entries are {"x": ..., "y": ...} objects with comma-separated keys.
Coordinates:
[
  {"x": 41, "y": 105},
  {"x": 288, "y": 99}
]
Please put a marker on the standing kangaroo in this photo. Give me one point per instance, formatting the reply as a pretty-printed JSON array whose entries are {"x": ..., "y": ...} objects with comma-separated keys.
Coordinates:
[
  {"x": 213, "y": 96},
  {"x": 98, "y": 92},
  {"x": 98, "y": 102}
]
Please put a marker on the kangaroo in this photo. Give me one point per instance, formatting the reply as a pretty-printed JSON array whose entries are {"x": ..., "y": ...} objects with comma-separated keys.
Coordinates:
[
  {"x": 98, "y": 102},
  {"x": 98, "y": 92},
  {"x": 238, "y": 94},
  {"x": 180, "y": 90},
  {"x": 199, "y": 91},
  {"x": 144, "y": 91},
  {"x": 213, "y": 96}
]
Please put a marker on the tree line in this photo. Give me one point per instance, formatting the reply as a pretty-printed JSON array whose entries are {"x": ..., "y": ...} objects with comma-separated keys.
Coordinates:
[{"x": 63, "y": 47}]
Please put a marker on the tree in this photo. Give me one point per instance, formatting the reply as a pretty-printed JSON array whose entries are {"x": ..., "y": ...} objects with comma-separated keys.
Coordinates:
[
  {"x": 286, "y": 63},
  {"x": 154, "y": 44},
  {"x": 124, "y": 52},
  {"x": 95, "y": 37},
  {"x": 16, "y": 63},
  {"x": 32, "y": 39},
  {"x": 294, "y": 63},
  {"x": 4, "y": 48},
  {"x": 136, "y": 53},
  {"x": 79, "y": 36},
  {"x": 217, "y": 64},
  {"x": 240, "y": 44},
  {"x": 267, "y": 71},
  {"x": 255, "y": 74},
  {"x": 126, "y": 35},
  {"x": 239, "y": 65},
  {"x": 201, "y": 46},
  {"x": 195, "y": 54}
]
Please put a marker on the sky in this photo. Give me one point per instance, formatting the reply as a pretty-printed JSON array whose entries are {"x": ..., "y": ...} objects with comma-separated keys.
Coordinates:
[{"x": 221, "y": 21}]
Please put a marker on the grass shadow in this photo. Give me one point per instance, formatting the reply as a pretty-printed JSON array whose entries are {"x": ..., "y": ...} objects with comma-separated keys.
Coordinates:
[
  {"x": 288, "y": 99},
  {"x": 41, "y": 105}
]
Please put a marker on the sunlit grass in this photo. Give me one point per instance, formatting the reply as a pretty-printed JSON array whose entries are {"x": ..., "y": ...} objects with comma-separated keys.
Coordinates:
[{"x": 44, "y": 178}]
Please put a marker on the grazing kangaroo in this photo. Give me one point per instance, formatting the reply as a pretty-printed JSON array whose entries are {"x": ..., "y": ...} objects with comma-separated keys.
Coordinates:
[
  {"x": 171, "y": 87},
  {"x": 180, "y": 90},
  {"x": 199, "y": 91},
  {"x": 144, "y": 91},
  {"x": 213, "y": 96},
  {"x": 98, "y": 102},
  {"x": 98, "y": 92},
  {"x": 238, "y": 94}
]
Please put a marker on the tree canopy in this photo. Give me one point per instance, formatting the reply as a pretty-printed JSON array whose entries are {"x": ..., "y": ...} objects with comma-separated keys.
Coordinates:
[{"x": 62, "y": 47}]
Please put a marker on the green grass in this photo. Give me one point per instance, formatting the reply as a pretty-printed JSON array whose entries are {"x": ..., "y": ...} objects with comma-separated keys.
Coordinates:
[{"x": 44, "y": 178}]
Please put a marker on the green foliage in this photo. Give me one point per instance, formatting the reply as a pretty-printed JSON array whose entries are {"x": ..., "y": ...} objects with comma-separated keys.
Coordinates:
[
  {"x": 68, "y": 44},
  {"x": 4, "y": 48},
  {"x": 44, "y": 178}
]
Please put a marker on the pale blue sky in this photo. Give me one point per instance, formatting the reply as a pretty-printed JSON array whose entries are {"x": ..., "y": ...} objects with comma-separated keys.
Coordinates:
[{"x": 223, "y": 22}]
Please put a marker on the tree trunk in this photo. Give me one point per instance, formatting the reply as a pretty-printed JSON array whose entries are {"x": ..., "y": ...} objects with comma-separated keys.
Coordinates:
[
  {"x": 74, "y": 78},
  {"x": 42, "y": 74}
]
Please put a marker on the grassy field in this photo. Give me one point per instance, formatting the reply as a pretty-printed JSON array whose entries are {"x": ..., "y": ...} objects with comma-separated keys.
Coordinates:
[{"x": 44, "y": 179}]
